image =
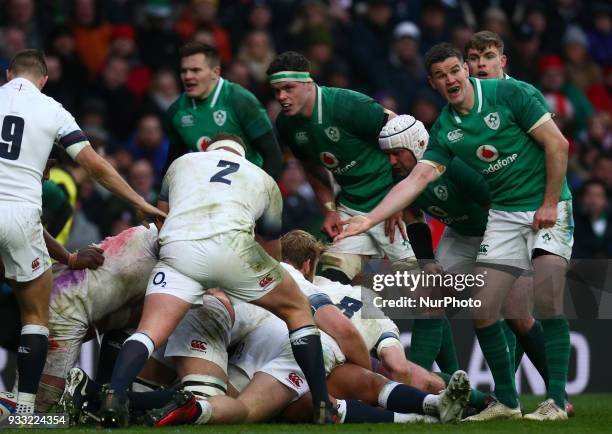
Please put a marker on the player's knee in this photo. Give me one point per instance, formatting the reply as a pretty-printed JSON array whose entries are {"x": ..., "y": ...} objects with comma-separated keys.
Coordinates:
[
  {"x": 521, "y": 326},
  {"x": 49, "y": 392},
  {"x": 204, "y": 386},
  {"x": 348, "y": 264}
]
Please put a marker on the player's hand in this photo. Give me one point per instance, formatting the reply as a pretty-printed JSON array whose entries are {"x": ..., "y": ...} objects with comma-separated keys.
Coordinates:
[
  {"x": 146, "y": 211},
  {"x": 545, "y": 217},
  {"x": 433, "y": 268},
  {"x": 89, "y": 257},
  {"x": 331, "y": 224},
  {"x": 354, "y": 226},
  {"x": 391, "y": 222}
]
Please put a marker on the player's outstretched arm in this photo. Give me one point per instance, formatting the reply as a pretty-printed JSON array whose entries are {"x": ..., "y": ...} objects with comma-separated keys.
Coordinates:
[
  {"x": 556, "y": 150},
  {"x": 106, "y": 175},
  {"x": 89, "y": 257},
  {"x": 400, "y": 197}
]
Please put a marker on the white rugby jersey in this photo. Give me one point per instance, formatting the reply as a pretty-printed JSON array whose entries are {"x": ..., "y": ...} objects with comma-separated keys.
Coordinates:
[
  {"x": 216, "y": 192},
  {"x": 30, "y": 122},
  {"x": 90, "y": 295},
  {"x": 349, "y": 300}
]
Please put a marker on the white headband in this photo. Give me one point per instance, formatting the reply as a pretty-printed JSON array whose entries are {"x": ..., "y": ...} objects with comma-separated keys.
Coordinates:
[{"x": 227, "y": 144}]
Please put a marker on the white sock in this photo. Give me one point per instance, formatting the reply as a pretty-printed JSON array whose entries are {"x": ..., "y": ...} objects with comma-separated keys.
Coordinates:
[
  {"x": 430, "y": 404},
  {"x": 25, "y": 402},
  {"x": 383, "y": 396},
  {"x": 206, "y": 411},
  {"x": 413, "y": 418},
  {"x": 341, "y": 409}
]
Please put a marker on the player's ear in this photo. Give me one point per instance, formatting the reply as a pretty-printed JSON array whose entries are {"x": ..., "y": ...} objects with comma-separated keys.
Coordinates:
[
  {"x": 503, "y": 60},
  {"x": 9, "y": 75},
  {"x": 217, "y": 71},
  {"x": 431, "y": 82},
  {"x": 43, "y": 81}
]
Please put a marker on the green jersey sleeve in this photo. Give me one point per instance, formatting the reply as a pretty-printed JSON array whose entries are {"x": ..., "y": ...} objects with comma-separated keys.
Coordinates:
[
  {"x": 360, "y": 114},
  {"x": 437, "y": 150},
  {"x": 469, "y": 181},
  {"x": 251, "y": 114},
  {"x": 523, "y": 102}
]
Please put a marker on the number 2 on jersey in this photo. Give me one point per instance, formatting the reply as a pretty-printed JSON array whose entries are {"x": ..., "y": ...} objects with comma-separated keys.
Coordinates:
[
  {"x": 349, "y": 306},
  {"x": 230, "y": 167},
  {"x": 11, "y": 132}
]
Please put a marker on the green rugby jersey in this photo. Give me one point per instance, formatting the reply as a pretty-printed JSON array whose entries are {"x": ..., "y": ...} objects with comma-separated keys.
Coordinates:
[
  {"x": 342, "y": 135},
  {"x": 230, "y": 108},
  {"x": 459, "y": 198},
  {"x": 493, "y": 139}
]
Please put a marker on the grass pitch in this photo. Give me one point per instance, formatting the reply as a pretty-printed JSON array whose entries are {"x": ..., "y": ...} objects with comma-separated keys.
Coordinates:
[{"x": 593, "y": 415}]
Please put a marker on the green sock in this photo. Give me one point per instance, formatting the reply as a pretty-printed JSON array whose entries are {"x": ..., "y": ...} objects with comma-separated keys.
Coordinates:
[
  {"x": 557, "y": 343},
  {"x": 495, "y": 349},
  {"x": 477, "y": 399},
  {"x": 535, "y": 347},
  {"x": 511, "y": 341},
  {"x": 518, "y": 354},
  {"x": 426, "y": 341},
  {"x": 447, "y": 357}
]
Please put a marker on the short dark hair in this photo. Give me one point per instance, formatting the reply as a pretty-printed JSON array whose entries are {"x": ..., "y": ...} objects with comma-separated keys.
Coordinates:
[
  {"x": 439, "y": 53},
  {"x": 289, "y": 61},
  {"x": 227, "y": 136},
  {"x": 194, "y": 47},
  {"x": 482, "y": 40},
  {"x": 28, "y": 62}
]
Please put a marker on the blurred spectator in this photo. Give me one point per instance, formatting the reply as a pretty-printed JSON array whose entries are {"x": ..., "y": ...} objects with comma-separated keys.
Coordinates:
[
  {"x": 336, "y": 73},
  {"x": 460, "y": 35},
  {"x": 163, "y": 92},
  {"x": 320, "y": 52},
  {"x": 12, "y": 40},
  {"x": 124, "y": 45},
  {"x": 371, "y": 40},
  {"x": 564, "y": 98},
  {"x": 202, "y": 14},
  {"x": 581, "y": 70},
  {"x": 603, "y": 171},
  {"x": 536, "y": 16},
  {"x": 92, "y": 35},
  {"x": 433, "y": 25},
  {"x": 405, "y": 67},
  {"x": 600, "y": 36},
  {"x": 597, "y": 141},
  {"x": 495, "y": 20},
  {"x": 561, "y": 15},
  {"x": 388, "y": 101},
  {"x": 256, "y": 52},
  {"x": 300, "y": 207},
  {"x": 112, "y": 88},
  {"x": 524, "y": 64},
  {"x": 63, "y": 45},
  {"x": 93, "y": 114},
  {"x": 22, "y": 14},
  {"x": 426, "y": 107},
  {"x": 157, "y": 41},
  {"x": 149, "y": 144},
  {"x": 593, "y": 231},
  {"x": 238, "y": 72},
  {"x": 57, "y": 87},
  {"x": 142, "y": 180}
]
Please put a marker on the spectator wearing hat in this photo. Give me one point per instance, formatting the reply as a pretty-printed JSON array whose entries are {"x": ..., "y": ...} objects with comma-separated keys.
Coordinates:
[
  {"x": 124, "y": 45},
  {"x": 564, "y": 98},
  {"x": 526, "y": 43},
  {"x": 156, "y": 39},
  {"x": 405, "y": 67},
  {"x": 581, "y": 70}
]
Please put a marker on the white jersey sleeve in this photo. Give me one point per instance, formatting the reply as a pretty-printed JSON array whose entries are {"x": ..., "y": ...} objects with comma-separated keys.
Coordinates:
[
  {"x": 215, "y": 192},
  {"x": 305, "y": 286},
  {"x": 30, "y": 123}
]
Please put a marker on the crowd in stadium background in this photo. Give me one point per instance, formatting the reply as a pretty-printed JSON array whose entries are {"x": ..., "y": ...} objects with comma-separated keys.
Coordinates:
[{"x": 114, "y": 65}]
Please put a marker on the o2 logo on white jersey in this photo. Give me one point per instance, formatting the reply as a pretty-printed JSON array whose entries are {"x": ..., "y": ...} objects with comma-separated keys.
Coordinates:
[
  {"x": 492, "y": 120},
  {"x": 436, "y": 211},
  {"x": 328, "y": 159},
  {"x": 202, "y": 143},
  {"x": 220, "y": 116},
  {"x": 487, "y": 153},
  {"x": 333, "y": 133}
]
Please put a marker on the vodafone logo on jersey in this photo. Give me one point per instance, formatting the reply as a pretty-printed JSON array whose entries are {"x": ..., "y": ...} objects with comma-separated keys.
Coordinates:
[
  {"x": 487, "y": 153},
  {"x": 328, "y": 159}
]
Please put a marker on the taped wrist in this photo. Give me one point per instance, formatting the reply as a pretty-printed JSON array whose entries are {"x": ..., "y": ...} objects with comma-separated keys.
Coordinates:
[{"x": 420, "y": 240}]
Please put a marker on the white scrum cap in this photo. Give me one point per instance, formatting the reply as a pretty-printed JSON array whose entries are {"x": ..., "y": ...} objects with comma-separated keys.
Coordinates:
[
  {"x": 404, "y": 131},
  {"x": 227, "y": 144}
]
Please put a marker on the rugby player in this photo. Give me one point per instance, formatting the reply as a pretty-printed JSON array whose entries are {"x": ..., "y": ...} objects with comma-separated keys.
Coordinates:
[
  {"x": 31, "y": 123},
  {"x": 501, "y": 130}
]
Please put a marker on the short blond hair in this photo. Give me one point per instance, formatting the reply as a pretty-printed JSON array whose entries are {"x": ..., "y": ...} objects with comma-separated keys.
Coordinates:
[{"x": 298, "y": 246}]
